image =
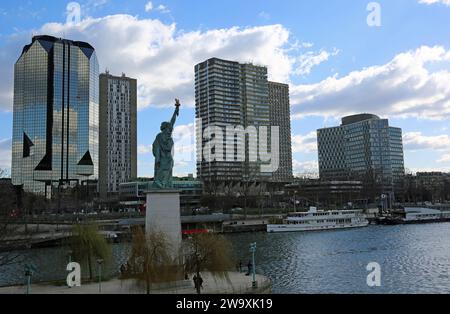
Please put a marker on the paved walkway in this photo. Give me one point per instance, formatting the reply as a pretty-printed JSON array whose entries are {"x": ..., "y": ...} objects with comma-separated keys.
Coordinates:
[{"x": 238, "y": 284}]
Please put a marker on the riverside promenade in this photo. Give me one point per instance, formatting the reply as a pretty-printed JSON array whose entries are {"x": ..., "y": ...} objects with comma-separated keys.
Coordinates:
[{"x": 237, "y": 283}]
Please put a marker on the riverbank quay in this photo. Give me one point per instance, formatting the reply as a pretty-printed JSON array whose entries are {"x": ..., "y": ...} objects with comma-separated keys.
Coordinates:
[{"x": 237, "y": 283}]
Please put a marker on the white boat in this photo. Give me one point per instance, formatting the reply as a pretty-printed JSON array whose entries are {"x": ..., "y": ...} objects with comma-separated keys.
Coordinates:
[
  {"x": 417, "y": 215},
  {"x": 315, "y": 220}
]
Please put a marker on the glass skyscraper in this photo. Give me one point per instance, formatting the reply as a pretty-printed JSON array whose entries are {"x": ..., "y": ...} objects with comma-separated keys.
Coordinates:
[
  {"x": 364, "y": 148},
  {"x": 56, "y": 115}
]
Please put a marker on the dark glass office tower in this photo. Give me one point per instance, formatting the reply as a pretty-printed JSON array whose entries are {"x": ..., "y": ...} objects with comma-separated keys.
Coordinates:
[
  {"x": 363, "y": 148},
  {"x": 56, "y": 123}
]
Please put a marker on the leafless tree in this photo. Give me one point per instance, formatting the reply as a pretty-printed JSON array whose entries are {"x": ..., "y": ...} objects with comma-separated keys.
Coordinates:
[
  {"x": 88, "y": 244},
  {"x": 210, "y": 253},
  {"x": 151, "y": 261},
  {"x": 7, "y": 228}
]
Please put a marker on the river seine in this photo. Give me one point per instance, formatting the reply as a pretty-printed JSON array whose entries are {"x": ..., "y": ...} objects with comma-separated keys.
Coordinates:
[{"x": 413, "y": 259}]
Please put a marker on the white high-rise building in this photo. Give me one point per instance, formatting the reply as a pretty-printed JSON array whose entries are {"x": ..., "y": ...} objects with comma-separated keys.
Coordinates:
[
  {"x": 118, "y": 132},
  {"x": 231, "y": 94}
]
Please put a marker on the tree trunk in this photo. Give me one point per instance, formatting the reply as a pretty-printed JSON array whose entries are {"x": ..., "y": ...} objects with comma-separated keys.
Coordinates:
[
  {"x": 198, "y": 286},
  {"x": 90, "y": 267}
]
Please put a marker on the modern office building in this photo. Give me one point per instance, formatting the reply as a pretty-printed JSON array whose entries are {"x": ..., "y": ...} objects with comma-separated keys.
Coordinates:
[
  {"x": 55, "y": 118},
  {"x": 363, "y": 148},
  {"x": 280, "y": 115},
  {"x": 118, "y": 132},
  {"x": 230, "y": 94}
]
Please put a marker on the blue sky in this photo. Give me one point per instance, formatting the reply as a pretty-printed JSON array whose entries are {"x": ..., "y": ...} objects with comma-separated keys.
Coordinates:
[{"x": 335, "y": 63}]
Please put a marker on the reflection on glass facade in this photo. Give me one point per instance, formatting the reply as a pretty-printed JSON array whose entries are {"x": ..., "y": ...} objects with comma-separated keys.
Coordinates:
[
  {"x": 55, "y": 128},
  {"x": 365, "y": 148}
]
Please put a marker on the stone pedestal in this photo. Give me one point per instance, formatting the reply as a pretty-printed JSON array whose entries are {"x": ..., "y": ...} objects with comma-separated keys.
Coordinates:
[{"x": 163, "y": 215}]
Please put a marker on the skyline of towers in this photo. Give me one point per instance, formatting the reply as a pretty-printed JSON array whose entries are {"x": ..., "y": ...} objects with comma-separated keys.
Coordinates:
[{"x": 60, "y": 135}]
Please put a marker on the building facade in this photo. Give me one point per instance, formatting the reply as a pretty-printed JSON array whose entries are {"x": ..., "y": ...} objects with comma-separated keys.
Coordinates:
[
  {"x": 363, "y": 148},
  {"x": 280, "y": 116},
  {"x": 134, "y": 194},
  {"x": 234, "y": 95},
  {"x": 431, "y": 187},
  {"x": 218, "y": 103},
  {"x": 330, "y": 194},
  {"x": 55, "y": 115},
  {"x": 118, "y": 132}
]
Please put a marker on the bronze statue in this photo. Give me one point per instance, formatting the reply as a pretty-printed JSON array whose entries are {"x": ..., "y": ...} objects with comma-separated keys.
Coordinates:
[{"x": 163, "y": 152}]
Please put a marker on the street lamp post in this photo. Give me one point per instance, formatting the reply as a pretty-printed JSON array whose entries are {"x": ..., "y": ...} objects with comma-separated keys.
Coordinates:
[
  {"x": 253, "y": 251},
  {"x": 295, "y": 201},
  {"x": 69, "y": 255},
  {"x": 100, "y": 262},
  {"x": 28, "y": 275},
  {"x": 29, "y": 270}
]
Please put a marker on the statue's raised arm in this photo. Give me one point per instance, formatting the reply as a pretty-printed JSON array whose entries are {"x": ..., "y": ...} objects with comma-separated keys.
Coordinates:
[{"x": 176, "y": 113}]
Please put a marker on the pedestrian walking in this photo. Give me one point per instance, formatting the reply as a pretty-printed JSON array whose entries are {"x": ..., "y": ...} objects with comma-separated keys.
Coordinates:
[{"x": 250, "y": 268}]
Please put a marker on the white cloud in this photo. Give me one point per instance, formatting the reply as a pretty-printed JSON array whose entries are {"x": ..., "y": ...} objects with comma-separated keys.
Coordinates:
[
  {"x": 149, "y": 6},
  {"x": 264, "y": 15},
  {"x": 428, "y": 2},
  {"x": 162, "y": 60},
  {"x": 91, "y": 6},
  {"x": 429, "y": 169},
  {"x": 305, "y": 143},
  {"x": 404, "y": 87},
  {"x": 309, "y": 60},
  {"x": 418, "y": 141},
  {"x": 163, "y": 9},
  {"x": 144, "y": 149},
  {"x": 5, "y": 154},
  {"x": 444, "y": 159},
  {"x": 184, "y": 138},
  {"x": 306, "y": 168}
]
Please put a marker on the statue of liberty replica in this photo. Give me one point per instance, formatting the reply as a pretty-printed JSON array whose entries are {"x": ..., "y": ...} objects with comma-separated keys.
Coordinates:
[
  {"x": 163, "y": 152},
  {"x": 163, "y": 201}
]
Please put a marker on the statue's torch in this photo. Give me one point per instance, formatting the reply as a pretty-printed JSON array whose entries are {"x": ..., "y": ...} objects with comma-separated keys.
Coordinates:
[{"x": 177, "y": 105}]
